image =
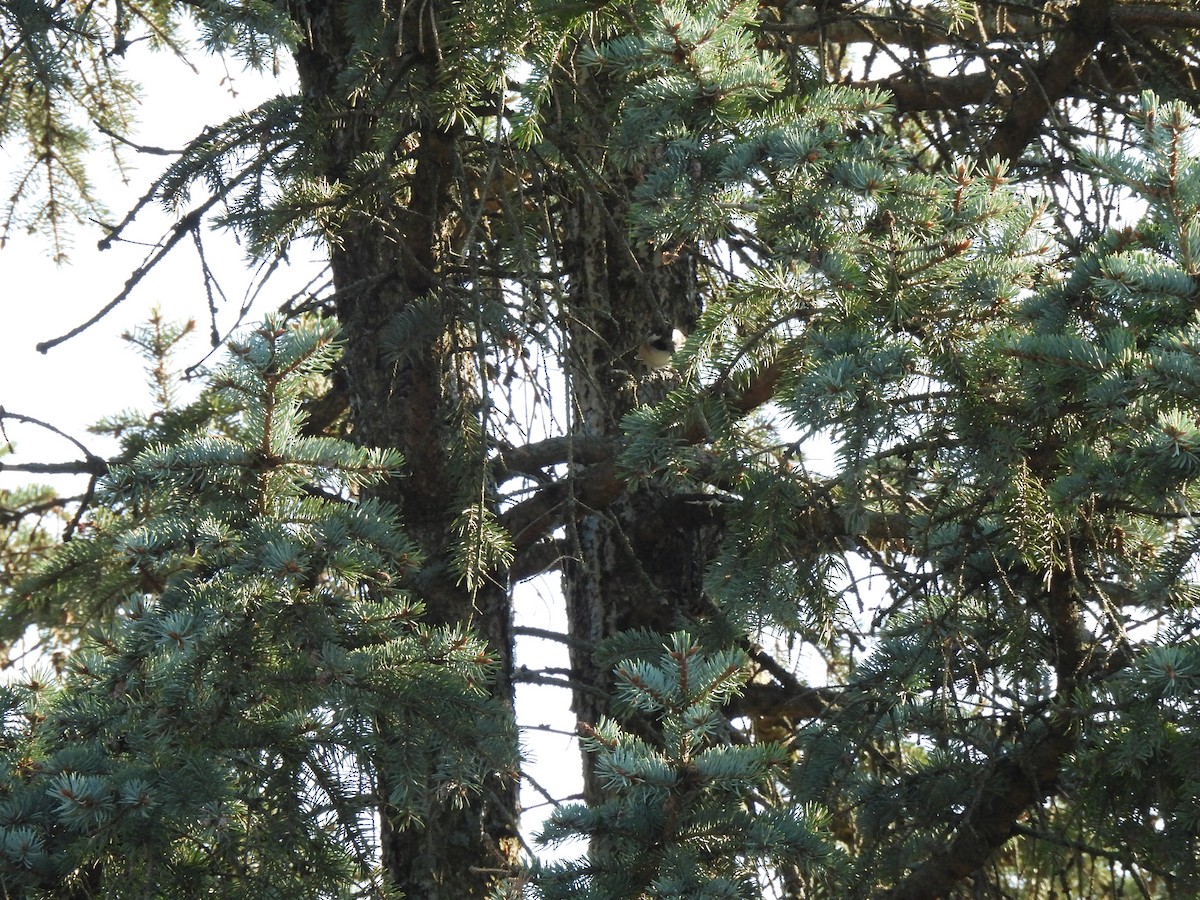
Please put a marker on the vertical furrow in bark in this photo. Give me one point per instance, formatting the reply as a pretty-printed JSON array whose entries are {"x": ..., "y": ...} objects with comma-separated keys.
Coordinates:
[
  {"x": 390, "y": 254},
  {"x": 638, "y": 563}
]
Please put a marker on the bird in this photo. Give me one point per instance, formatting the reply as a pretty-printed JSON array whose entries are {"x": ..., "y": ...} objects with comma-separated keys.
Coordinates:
[{"x": 657, "y": 350}]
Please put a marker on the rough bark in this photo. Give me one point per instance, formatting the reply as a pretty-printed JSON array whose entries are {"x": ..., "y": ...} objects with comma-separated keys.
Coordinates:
[
  {"x": 637, "y": 561},
  {"x": 382, "y": 264}
]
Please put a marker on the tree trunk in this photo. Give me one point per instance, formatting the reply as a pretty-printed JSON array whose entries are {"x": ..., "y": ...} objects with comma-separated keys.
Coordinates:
[
  {"x": 382, "y": 265},
  {"x": 639, "y": 562}
]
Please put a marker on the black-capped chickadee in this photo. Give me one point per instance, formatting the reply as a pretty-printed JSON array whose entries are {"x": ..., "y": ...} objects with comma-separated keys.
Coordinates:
[{"x": 656, "y": 352}]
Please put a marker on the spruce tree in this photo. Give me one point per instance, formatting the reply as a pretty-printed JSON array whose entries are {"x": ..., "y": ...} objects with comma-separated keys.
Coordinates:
[
  {"x": 253, "y": 669},
  {"x": 951, "y": 659}
]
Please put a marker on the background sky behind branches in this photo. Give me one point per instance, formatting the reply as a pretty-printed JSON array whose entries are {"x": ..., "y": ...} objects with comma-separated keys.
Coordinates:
[{"x": 96, "y": 374}]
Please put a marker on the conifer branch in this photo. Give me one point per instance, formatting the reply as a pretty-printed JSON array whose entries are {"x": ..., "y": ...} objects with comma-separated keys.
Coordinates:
[
  {"x": 140, "y": 148},
  {"x": 1026, "y": 775},
  {"x": 90, "y": 465},
  {"x": 1012, "y": 785},
  {"x": 1115, "y": 856},
  {"x": 1086, "y": 27},
  {"x": 921, "y": 30}
]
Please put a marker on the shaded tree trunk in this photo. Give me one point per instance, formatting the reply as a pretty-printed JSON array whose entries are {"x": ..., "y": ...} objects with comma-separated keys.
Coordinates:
[
  {"x": 415, "y": 402},
  {"x": 639, "y": 562}
]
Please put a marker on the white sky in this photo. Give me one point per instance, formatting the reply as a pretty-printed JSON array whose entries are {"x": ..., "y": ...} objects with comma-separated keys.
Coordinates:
[{"x": 96, "y": 373}]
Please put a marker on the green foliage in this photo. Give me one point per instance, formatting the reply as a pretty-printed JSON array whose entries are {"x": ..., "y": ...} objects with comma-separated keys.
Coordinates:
[
  {"x": 260, "y": 662},
  {"x": 32, "y": 518},
  {"x": 991, "y": 573},
  {"x": 685, "y": 814},
  {"x": 62, "y": 79},
  {"x": 1013, "y": 445},
  {"x": 47, "y": 103}
]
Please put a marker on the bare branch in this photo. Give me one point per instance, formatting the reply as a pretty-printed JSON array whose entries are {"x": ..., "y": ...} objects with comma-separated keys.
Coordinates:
[
  {"x": 923, "y": 31},
  {"x": 184, "y": 226},
  {"x": 1074, "y": 45},
  {"x": 91, "y": 465},
  {"x": 532, "y": 459},
  {"x": 75, "y": 467}
]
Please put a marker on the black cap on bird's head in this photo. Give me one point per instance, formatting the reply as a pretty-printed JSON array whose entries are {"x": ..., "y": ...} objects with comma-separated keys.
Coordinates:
[{"x": 658, "y": 349}]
